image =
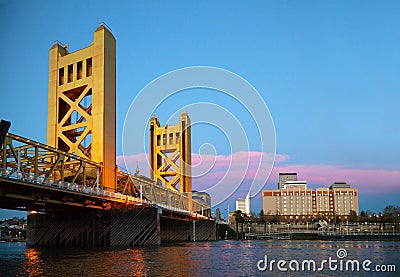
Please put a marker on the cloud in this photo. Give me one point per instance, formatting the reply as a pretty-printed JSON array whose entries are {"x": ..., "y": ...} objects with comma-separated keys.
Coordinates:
[
  {"x": 222, "y": 175},
  {"x": 368, "y": 181},
  {"x": 219, "y": 175}
]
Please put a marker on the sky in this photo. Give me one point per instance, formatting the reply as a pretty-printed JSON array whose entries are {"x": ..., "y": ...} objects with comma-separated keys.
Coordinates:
[{"x": 328, "y": 71}]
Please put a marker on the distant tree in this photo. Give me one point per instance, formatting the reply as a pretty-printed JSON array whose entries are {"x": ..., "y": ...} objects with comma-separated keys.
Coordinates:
[
  {"x": 275, "y": 219},
  {"x": 337, "y": 220},
  {"x": 391, "y": 214},
  {"x": 262, "y": 220},
  {"x": 353, "y": 216}
]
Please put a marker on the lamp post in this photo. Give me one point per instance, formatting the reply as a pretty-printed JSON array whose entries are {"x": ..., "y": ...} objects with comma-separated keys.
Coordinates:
[{"x": 393, "y": 229}]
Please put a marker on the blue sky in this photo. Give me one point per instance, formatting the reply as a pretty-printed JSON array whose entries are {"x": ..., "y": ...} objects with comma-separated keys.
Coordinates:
[{"x": 328, "y": 71}]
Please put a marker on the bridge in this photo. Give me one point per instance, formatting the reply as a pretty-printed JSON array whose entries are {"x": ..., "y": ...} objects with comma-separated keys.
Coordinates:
[{"x": 71, "y": 186}]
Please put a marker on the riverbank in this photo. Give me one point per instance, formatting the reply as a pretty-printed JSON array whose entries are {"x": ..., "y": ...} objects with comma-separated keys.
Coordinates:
[{"x": 330, "y": 237}]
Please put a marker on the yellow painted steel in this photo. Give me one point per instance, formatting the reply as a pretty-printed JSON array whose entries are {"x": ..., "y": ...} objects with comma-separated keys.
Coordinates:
[
  {"x": 170, "y": 154},
  {"x": 81, "y": 102}
]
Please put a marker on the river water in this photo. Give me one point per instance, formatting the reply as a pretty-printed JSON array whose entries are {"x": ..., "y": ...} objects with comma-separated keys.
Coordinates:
[{"x": 219, "y": 258}]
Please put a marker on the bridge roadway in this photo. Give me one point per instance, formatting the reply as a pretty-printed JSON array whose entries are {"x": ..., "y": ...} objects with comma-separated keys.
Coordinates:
[{"x": 63, "y": 188}]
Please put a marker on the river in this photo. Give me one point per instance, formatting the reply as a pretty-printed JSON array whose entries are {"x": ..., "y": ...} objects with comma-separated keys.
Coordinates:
[{"x": 219, "y": 258}]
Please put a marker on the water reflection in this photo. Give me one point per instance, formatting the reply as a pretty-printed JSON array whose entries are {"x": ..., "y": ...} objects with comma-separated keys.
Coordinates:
[
  {"x": 32, "y": 265},
  {"x": 221, "y": 258}
]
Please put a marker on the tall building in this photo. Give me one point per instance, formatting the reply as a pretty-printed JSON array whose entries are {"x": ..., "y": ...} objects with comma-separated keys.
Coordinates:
[
  {"x": 294, "y": 199},
  {"x": 297, "y": 202},
  {"x": 344, "y": 198},
  {"x": 244, "y": 204},
  {"x": 241, "y": 204},
  {"x": 248, "y": 204},
  {"x": 283, "y": 177},
  {"x": 218, "y": 216}
]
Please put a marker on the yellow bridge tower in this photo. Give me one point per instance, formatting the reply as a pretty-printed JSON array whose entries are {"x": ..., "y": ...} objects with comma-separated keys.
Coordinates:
[
  {"x": 81, "y": 102},
  {"x": 170, "y": 154}
]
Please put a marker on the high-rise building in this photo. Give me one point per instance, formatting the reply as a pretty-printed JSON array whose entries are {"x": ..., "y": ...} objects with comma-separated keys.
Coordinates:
[
  {"x": 344, "y": 199},
  {"x": 248, "y": 204},
  {"x": 244, "y": 204},
  {"x": 283, "y": 177},
  {"x": 240, "y": 204},
  {"x": 294, "y": 201}
]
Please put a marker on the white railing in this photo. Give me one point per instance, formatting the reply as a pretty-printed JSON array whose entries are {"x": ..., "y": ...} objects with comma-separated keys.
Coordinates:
[{"x": 78, "y": 188}]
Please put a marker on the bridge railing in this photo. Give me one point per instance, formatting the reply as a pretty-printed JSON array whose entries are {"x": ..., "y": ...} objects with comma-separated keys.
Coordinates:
[
  {"x": 146, "y": 188},
  {"x": 23, "y": 156},
  {"x": 33, "y": 162}
]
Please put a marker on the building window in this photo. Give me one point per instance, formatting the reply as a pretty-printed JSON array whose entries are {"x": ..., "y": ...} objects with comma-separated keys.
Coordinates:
[
  {"x": 164, "y": 139},
  {"x": 70, "y": 73},
  {"x": 176, "y": 138},
  {"x": 61, "y": 76},
  {"x": 79, "y": 71},
  {"x": 158, "y": 140},
  {"x": 171, "y": 138},
  {"x": 89, "y": 67}
]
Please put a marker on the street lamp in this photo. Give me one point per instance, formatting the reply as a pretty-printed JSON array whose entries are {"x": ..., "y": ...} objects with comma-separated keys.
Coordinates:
[
  {"x": 393, "y": 229},
  {"x": 269, "y": 229},
  {"x": 288, "y": 226}
]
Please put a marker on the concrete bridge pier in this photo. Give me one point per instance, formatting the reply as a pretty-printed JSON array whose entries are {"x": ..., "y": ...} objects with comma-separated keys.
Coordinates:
[
  {"x": 178, "y": 230},
  {"x": 135, "y": 227}
]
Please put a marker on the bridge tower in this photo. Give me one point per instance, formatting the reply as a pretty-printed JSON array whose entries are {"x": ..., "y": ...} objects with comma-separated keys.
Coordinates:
[
  {"x": 170, "y": 154},
  {"x": 81, "y": 102}
]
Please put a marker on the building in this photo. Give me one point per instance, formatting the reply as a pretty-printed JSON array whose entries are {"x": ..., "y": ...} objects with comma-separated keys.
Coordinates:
[
  {"x": 344, "y": 198},
  {"x": 294, "y": 201},
  {"x": 283, "y": 177},
  {"x": 218, "y": 216},
  {"x": 244, "y": 204},
  {"x": 202, "y": 197}
]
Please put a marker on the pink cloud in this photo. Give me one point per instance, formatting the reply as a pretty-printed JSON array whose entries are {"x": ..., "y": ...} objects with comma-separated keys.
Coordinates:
[
  {"x": 368, "y": 181},
  {"x": 220, "y": 175},
  {"x": 243, "y": 168}
]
